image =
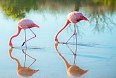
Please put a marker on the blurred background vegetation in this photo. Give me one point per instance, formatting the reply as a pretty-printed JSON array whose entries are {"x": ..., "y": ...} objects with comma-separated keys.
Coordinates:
[
  {"x": 96, "y": 10},
  {"x": 18, "y": 8}
]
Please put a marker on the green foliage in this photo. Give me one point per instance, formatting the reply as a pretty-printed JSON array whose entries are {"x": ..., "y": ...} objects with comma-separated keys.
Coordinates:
[
  {"x": 17, "y": 8},
  {"x": 105, "y": 2}
]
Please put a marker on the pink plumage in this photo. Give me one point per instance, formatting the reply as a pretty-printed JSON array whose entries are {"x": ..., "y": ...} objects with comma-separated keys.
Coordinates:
[
  {"x": 73, "y": 17},
  {"x": 24, "y": 24}
]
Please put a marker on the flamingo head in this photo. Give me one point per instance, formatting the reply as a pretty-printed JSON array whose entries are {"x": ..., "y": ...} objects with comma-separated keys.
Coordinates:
[
  {"x": 56, "y": 39},
  {"x": 10, "y": 44},
  {"x": 34, "y": 25},
  {"x": 84, "y": 18}
]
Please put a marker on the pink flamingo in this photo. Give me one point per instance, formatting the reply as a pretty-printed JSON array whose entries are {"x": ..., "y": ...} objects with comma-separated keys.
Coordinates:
[
  {"x": 24, "y": 24},
  {"x": 73, "y": 17}
]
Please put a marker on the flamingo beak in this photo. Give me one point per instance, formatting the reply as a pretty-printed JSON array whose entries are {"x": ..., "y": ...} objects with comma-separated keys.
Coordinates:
[
  {"x": 10, "y": 44},
  {"x": 56, "y": 40},
  {"x": 35, "y": 25},
  {"x": 84, "y": 18}
]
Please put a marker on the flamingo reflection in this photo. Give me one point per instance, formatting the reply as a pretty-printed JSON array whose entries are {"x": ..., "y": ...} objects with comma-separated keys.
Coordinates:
[
  {"x": 23, "y": 70},
  {"x": 72, "y": 70}
]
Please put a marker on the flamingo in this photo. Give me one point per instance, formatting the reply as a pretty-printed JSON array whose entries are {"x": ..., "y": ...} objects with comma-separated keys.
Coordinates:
[
  {"x": 24, "y": 24},
  {"x": 72, "y": 70},
  {"x": 73, "y": 17},
  {"x": 23, "y": 70}
]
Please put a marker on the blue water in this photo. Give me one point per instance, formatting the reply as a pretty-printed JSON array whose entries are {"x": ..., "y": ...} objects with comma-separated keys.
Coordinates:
[{"x": 96, "y": 51}]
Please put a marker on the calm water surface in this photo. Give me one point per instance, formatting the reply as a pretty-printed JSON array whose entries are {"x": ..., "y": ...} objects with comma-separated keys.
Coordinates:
[{"x": 95, "y": 53}]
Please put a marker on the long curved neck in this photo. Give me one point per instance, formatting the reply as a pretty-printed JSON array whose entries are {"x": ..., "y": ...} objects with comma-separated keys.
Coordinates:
[
  {"x": 17, "y": 61},
  {"x": 67, "y": 22},
  {"x": 65, "y": 61},
  {"x": 18, "y": 32}
]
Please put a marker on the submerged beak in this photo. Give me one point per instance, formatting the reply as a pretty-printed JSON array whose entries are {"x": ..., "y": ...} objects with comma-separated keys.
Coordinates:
[{"x": 10, "y": 44}]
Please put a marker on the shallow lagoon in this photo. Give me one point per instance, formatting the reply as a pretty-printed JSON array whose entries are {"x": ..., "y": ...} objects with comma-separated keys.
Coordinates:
[{"x": 96, "y": 49}]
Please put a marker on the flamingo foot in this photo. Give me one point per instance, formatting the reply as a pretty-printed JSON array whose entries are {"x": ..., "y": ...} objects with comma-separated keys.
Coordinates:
[
  {"x": 23, "y": 43},
  {"x": 63, "y": 42}
]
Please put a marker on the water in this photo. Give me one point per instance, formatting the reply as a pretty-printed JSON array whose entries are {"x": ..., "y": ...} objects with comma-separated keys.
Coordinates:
[{"x": 95, "y": 51}]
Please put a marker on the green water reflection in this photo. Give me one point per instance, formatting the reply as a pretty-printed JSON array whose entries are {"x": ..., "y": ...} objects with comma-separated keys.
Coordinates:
[
  {"x": 100, "y": 12},
  {"x": 17, "y": 9}
]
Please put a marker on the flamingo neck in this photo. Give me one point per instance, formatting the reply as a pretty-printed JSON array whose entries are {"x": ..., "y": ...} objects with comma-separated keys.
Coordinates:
[
  {"x": 17, "y": 61},
  {"x": 56, "y": 37},
  {"x": 18, "y": 32},
  {"x": 65, "y": 61}
]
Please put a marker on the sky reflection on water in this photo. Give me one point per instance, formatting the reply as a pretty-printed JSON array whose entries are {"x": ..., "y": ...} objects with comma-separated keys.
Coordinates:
[{"x": 96, "y": 49}]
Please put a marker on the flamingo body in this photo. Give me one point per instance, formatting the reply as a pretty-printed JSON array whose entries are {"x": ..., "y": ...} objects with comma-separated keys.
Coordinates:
[
  {"x": 26, "y": 23},
  {"x": 73, "y": 17},
  {"x": 23, "y": 24}
]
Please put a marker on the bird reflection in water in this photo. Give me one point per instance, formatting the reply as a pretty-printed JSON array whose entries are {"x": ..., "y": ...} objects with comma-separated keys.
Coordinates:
[
  {"x": 72, "y": 70},
  {"x": 23, "y": 70}
]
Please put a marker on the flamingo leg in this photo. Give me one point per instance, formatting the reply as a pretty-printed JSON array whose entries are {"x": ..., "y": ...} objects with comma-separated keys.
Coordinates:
[
  {"x": 25, "y": 57},
  {"x": 75, "y": 33},
  {"x": 74, "y": 53},
  {"x": 28, "y": 56},
  {"x": 26, "y": 47},
  {"x": 29, "y": 38},
  {"x": 76, "y": 45},
  {"x": 74, "y": 59},
  {"x": 25, "y": 39},
  {"x": 70, "y": 49}
]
